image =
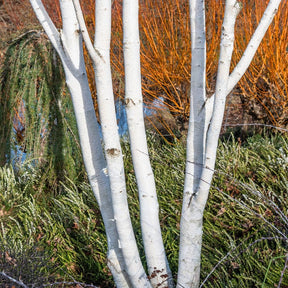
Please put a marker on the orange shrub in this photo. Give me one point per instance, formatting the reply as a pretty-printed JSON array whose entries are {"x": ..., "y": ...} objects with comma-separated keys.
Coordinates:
[
  {"x": 264, "y": 87},
  {"x": 165, "y": 54}
]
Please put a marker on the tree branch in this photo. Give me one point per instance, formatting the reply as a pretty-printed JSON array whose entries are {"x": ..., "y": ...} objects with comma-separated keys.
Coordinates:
[
  {"x": 13, "y": 280},
  {"x": 48, "y": 26},
  {"x": 93, "y": 52}
]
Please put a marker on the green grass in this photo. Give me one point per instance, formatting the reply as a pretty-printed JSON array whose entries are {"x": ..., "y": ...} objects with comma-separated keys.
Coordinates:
[
  {"x": 247, "y": 213},
  {"x": 59, "y": 236}
]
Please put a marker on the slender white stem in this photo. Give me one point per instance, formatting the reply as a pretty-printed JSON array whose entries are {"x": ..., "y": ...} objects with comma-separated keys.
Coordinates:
[
  {"x": 90, "y": 137},
  {"x": 48, "y": 26},
  {"x": 250, "y": 51},
  {"x": 114, "y": 157},
  {"x": 247, "y": 57},
  {"x": 188, "y": 272},
  {"x": 233, "y": 79},
  {"x": 232, "y": 9},
  {"x": 158, "y": 267},
  {"x": 253, "y": 44},
  {"x": 191, "y": 241},
  {"x": 93, "y": 53},
  {"x": 69, "y": 46}
]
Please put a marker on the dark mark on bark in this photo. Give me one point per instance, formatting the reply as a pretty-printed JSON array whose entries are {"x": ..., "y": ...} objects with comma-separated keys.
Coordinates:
[
  {"x": 129, "y": 102},
  {"x": 113, "y": 152}
]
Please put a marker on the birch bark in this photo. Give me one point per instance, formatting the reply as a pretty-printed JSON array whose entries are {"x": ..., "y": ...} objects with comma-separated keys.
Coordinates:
[
  {"x": 247, "y": 57},
  {"x": 195, "y": 146},
  {"x": 253, "y": 44},
  {"x": 114, "y": 157},
  {"x": 158, "y": 268},
  {"x": 201, "y": 156},
  {"x": 68, "y": 44},
  {"x": 232, "y": 8}
]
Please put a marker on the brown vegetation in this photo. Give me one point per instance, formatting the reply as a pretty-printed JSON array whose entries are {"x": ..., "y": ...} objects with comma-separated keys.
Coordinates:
[
  {"x": 165, "y": 55},
  {"x": 264, "y": 87}
]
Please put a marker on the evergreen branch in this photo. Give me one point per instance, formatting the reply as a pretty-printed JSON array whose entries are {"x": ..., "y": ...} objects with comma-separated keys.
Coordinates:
[{"x": 35, "y": 33}]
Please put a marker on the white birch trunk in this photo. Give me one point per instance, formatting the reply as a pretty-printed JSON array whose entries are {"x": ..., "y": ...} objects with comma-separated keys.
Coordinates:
[
  {"x": 193, "y": 209},
  {"x": 247, "y": 57},
  {"x": 158, "y": 268},
  {"x": 69, "y": 47},
  {"x": 114, "y": 157},
  {"x": 253, "y": 44},
  {"x": 232, "y": 8},
  {"x": 188, "y": 270}
]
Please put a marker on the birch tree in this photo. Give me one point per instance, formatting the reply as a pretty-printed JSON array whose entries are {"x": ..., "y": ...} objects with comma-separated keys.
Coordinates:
[{"x": 104, "y": 163}]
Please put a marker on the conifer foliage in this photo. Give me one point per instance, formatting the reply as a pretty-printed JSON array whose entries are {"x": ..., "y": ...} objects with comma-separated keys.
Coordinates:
[{"x": 35, "y": 108}]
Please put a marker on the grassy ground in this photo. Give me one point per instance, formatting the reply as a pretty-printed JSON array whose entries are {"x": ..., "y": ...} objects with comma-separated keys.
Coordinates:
[{"x": 49, "y": 235}]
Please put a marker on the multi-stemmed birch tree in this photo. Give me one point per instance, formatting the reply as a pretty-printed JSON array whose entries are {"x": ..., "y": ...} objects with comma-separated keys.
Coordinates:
[{"x": 104, "y": 161}]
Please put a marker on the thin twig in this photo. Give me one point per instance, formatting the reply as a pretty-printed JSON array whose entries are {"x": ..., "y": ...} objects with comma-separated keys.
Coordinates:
[
  {"x": 241, "y": 252},
  {"x": 256, "y": 124},
  {"x": 19, "y": 282},
  {"x": 283, "y": 271},
  {"x": 251, "y": 210},
  {"x": 69, "y": 283}
]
